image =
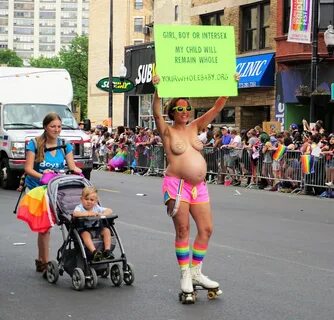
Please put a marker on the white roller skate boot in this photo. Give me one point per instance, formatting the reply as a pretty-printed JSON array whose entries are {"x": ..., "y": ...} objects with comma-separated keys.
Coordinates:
[
  {"x": 186, "y": 295},
  {"x": 200, "y": 281}
]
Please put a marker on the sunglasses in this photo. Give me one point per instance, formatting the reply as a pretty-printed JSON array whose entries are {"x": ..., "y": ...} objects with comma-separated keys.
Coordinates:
[{"x": 182, "y": 109}]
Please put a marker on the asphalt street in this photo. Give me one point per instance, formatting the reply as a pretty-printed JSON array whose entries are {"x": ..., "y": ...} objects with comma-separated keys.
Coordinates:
[{"x": 272, "y": 253}]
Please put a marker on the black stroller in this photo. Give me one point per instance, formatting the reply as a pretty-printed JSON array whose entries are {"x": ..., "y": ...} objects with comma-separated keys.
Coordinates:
[{"x": 64, "y": 194}]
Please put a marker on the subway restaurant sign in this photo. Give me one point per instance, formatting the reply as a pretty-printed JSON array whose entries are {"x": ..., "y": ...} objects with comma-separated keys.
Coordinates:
[
  {"x": 118, "y": 85},
  {"x": 195, "y": 61}
]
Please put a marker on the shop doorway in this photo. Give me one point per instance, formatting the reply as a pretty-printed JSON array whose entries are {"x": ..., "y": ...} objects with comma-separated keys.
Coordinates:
[{"x": 133, "y": 111}]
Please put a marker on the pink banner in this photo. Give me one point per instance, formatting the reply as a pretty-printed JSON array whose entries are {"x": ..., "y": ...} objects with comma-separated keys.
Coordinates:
[{"x": 300, "y": 21}]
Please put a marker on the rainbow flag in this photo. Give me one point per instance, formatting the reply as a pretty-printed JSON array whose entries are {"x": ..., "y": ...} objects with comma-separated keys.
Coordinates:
[
  {"x": 300, "y": 21},
  {"x": 307, "y": 163},
  {"x": 34, "y": 209},
  {"x": 279, "y": 153},
  {"x": 300, "y": 16}
]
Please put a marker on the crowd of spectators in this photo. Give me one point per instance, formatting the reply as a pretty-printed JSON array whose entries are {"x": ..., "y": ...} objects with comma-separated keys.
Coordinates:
[
  {"x": 106, "y": 144},
  {"x": 253, "y": 153},
  {"x": 247, "y": 153}
]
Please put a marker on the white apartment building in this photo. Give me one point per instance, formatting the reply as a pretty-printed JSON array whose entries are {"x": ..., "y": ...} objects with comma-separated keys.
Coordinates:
[{"x": 41, "y": 27}]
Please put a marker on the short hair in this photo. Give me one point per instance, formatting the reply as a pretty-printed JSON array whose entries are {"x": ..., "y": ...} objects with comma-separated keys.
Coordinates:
[
  {"x": 171, "y": 104},
  {"x": 86, "y": 191}
]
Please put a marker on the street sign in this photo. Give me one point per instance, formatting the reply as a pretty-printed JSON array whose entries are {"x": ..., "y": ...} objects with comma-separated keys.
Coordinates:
[
  {"x": 332, "y": 91},
  {"x": 118, "y": 85}
]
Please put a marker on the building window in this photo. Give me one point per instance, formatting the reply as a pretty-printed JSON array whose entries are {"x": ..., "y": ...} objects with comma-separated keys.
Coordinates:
[
  {"x": 212, "y": 19},
  {"x": 176, "y": 13},
  {"x": 226, "y": 116},
  {"x": 255, "y": 27},
  {"x": 138, "y": 4},
  {"x": 326, "y": 14},
  {"x": 286, "y": 15},
  {"x": 138, "y": 24},
  {"x": 138, "y": 41}
]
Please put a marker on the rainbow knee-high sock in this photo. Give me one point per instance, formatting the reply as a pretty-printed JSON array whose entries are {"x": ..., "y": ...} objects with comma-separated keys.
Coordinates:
[
  {"x": 199, "y": 251},
  {"x": 182, "y": 253}
]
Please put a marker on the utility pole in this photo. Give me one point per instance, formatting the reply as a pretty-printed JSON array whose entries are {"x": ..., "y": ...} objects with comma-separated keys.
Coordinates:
[{"x": 314, "y": 58}]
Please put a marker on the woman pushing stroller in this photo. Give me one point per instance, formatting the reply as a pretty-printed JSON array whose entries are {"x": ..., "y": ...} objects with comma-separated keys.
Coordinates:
[{"x": 46, "y": 154}]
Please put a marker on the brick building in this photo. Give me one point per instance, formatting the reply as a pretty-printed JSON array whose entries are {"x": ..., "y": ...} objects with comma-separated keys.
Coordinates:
[
  {"x": 261, "y": 28},
  {"x": 255, "y": 31},
  {"x": 294, "y": 68},
  {"x": 129, "y": 19}
]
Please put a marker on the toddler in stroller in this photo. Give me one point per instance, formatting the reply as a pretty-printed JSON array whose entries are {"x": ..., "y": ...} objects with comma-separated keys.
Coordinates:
[
  {"x": 89, "y": 207},
  {"x": 89, "y": 236}
]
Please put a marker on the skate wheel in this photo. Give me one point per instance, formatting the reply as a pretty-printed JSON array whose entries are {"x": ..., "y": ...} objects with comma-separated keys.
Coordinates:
[
  {"x": 211, "y": 295},
  {"x": 187, "y": 298}
]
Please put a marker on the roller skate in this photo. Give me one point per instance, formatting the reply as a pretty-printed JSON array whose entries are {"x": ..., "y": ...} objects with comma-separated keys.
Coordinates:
[
  {"x": 187, "y": 295},
  {"x": 202, "y": 282}
]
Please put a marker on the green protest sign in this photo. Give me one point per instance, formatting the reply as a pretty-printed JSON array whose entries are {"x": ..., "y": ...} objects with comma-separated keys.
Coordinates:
[{"x": 195, "y": 61}]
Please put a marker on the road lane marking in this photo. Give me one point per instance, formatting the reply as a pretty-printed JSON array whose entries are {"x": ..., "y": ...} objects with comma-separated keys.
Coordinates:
[
  {"x": 251, "y": 253},
  {"x": 109, "y": 190}
]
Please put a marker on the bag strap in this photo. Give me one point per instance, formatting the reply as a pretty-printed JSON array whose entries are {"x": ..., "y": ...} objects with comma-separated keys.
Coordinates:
[{"x": 61, "y": 146}]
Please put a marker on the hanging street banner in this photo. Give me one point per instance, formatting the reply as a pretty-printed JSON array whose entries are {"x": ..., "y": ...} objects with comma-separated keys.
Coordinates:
[
  {"x": 195, "y": 61},
  {"x": 119, "y": 86},
  {"x": 300, "y": 21}
]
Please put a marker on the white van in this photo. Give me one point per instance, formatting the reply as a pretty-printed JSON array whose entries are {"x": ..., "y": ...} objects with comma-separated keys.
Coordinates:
[{"x": 26, "y": 96}]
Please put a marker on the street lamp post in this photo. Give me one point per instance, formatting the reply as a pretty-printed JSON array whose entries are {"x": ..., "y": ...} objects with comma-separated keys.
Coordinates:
[
  {"x": 110, "y": 104},
  {"x": 329, "y": 41},
  {"x": 314, "y": 58}
]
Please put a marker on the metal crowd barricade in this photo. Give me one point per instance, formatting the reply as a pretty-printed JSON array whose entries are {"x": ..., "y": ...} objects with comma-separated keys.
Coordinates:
[
  {"x": 287, "y": 168},
  {"x": 238, "y": 166},
  {"x": 146, "y": 160},
  {"x": 156, "y": 161},
  {"x": 212, "y": 158},
  {"x": 317, "y": 175}
]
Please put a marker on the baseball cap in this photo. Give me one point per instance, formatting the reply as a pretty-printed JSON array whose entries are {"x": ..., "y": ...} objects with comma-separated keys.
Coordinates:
[
  {"x": 294, "y": 126},
  {"x": 224, "y": 127},
  {"x": 209, "y": 126}
]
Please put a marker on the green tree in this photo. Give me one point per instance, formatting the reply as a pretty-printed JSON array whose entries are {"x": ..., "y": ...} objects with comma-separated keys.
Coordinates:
[
  {"x": 75, "y": 61},
  {"x": 10, "y": 58},
  {"x": 44, "y": 62}
]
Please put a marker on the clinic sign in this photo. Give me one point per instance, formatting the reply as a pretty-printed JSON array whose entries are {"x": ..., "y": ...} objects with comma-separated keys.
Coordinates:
[
  {"x": 118, "y": 85},
  {"x": 256, "y": 71}
]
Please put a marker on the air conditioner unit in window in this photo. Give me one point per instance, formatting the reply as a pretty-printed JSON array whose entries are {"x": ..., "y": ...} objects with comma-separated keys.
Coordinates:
[{"x": 146, "y": 29}]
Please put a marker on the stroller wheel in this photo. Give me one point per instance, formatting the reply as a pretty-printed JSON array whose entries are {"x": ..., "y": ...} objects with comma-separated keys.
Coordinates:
[
  {"x": 78, "y": 279},
  {"x": 52, "y": 271},
  {"x": 129, "y": 274},
  {"x": 91, "y": 280},
  {"x": 116, "y": 275}
]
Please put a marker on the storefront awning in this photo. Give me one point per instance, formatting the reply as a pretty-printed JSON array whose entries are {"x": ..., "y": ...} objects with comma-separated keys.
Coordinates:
[{"x": 256, "y": 71}]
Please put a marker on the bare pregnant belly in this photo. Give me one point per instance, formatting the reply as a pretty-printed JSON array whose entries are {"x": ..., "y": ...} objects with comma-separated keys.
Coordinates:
[{"x": 190, "y": 167}]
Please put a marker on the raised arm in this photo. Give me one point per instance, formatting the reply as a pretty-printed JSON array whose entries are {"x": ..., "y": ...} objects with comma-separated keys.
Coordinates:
[
  {"x": 211, "y": 114},
  {"x": 159, "y": 120}
]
